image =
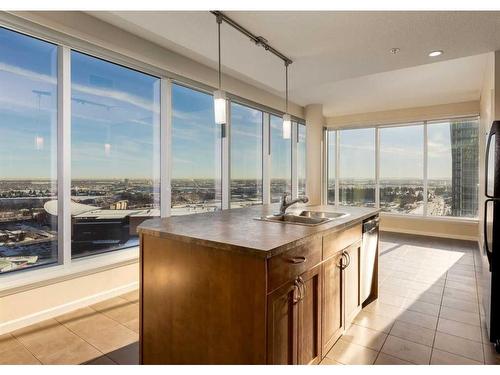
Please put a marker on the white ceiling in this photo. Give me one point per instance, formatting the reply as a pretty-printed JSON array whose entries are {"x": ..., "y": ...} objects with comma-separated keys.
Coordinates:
[{"x": 341, "y": 59}]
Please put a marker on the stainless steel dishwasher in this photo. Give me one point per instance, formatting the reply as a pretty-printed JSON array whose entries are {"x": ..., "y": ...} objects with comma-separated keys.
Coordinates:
[{"x": 369, "y": 259}]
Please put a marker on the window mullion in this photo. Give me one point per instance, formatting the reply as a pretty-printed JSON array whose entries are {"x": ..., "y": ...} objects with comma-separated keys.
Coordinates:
[
  {"x": 337, "y": 167},
  {"x": 325, "y": 162},
  {"x": 165, "y": 147},
  {"x": 377, "y": 167},
  {"x": 64, "y": 155},
  {"x": 266, "y": 159},
  {"x": 294, "y": 144},
  {"x": 225, "y": 162},
  {"x": 425, "y": 169}
]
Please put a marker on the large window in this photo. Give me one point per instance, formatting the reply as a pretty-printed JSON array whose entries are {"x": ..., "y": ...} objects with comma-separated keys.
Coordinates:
[
  {"x": 196, "y": 153},
  {"x": 115, "y": 122},
  {"x": 453, "y": 168},
  {"x": 402, "y": 169},
  {"x": 281, "y": 160},
  {"x": 28, "y": 160},
  {"x": 357, "y": 167},
  {"x": 130, "y": 140},
  {"x": 331, "y": 166},
  {"x": 301, "y": 158},
  {"x": 246, "y": 156},
  {"x": 439, "y": 158}
]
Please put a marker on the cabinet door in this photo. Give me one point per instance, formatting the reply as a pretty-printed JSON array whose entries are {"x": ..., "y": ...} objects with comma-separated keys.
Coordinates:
[
  {"x": 309, "y": 317},
  {"x": 332, "y": 318},
  {"x": 282, "y": 325},
  {"x": 352, "y": 298}
]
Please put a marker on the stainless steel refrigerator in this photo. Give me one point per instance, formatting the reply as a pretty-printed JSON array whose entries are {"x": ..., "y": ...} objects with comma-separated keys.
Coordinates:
[{"x": 488, "y": 267}]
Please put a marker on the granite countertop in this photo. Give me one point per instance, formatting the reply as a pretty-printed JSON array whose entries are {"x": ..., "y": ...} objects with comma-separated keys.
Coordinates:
[{"x": 237, "y": 229}]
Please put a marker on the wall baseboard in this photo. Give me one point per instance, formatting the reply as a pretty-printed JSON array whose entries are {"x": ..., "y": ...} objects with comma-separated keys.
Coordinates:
[
  {"x": 65, "y": 308},
  {"x": 430, "y": 234}
]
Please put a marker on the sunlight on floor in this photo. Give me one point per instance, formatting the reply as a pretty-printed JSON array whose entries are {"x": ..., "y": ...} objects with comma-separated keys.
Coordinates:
[{"x": 427, "y": 311}]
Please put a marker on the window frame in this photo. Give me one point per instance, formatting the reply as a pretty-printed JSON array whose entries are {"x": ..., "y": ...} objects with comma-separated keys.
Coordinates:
[
  {"x": 425, "y": 123},
  {"x": 67, "y": 268}
]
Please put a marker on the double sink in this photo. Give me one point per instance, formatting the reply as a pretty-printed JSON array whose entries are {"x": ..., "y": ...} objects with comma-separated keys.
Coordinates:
[{"x": 308, "y": 218}]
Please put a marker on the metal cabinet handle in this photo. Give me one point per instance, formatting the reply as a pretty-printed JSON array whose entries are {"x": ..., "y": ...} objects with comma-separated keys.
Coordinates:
[
  {"x": 297, "y": 260},
  {"x": 303, "y": 292},
  {"x": 348, "y": 259},
  {"x": 296, "y": 286},
  {"x": 342, "y": 264}
]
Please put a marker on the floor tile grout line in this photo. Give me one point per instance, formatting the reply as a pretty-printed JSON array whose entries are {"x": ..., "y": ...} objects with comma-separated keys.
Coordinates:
[
  {"x": 82, "y": 338},
  {"x": 122, "y": 324},
  {"x": 103, "y": 314},
  {"x": 100, "y": 351},
  {"x": 437, "y": 322},
  {"x": 60, "y": 324},
  {"x": 479, "y": 307},
  {"x": 28, "y": 349},
  {"x": 382, "y": 346}
]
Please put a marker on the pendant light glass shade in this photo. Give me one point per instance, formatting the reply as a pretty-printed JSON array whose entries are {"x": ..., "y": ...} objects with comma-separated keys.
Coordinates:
[
  {"x": 220, "y": 107},
  {"x": 287, "y": 126}
]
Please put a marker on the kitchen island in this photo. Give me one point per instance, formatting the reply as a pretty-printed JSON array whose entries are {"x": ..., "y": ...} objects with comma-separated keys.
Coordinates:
[{"x": 225, "y": 288}]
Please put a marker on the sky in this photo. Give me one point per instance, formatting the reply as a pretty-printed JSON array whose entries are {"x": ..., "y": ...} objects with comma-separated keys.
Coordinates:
[
  {"x": 401, "y": 152},
  {"x": 115, "y": 127},
  {"x": 115, "y": 118}
]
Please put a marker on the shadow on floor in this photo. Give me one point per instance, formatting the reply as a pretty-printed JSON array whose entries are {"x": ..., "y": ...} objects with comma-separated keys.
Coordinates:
[{"x": 128, "y": 355}]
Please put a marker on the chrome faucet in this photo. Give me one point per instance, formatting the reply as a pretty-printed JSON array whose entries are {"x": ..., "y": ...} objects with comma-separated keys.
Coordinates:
[{"x": 285, "y": 203}]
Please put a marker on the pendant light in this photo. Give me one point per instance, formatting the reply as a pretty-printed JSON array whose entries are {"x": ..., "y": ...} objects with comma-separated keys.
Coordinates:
[
  {"x": 219, "y": 95},
  {"x": 287, "y": 119}
]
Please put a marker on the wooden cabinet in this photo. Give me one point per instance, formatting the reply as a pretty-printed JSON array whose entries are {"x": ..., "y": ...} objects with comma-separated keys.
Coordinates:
[
  {"x": 282, "y": 325},
  {"x": 341, "y": 286},
  {"x": 294, "y": 320},
  {"x": 309, "y": 317},
  {"x": 352, "y": 301},
  {"x": 333, "y": 296}
]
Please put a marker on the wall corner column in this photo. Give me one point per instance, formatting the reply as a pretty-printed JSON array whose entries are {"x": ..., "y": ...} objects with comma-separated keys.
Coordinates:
[{"x": 313, "y": 114}]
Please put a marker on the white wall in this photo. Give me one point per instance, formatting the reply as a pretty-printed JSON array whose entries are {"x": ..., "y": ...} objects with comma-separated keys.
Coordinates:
[
  {"x": 314, "y": 141},
  {"x": 405, "y": 115},
  {"x": 22, "y": 308},
  {"x": 489, "y": 108}
]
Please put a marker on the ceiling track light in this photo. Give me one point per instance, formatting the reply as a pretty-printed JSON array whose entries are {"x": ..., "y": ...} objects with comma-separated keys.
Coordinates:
[
  {"x": 220, "y": 96},
  {"x": 220, "y": 112}
]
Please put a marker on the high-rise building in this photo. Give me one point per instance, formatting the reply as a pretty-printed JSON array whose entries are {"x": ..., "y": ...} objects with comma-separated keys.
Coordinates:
[{"x": 464, "y": 153}]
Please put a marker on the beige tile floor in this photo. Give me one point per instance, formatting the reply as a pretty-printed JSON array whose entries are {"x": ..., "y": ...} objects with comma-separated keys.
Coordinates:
[
  {"x": 427, "y": 313},
  {"x": 104, "y": 333}
]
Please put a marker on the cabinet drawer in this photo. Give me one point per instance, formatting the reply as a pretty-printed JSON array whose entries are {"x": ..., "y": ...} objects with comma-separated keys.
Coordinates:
[
  {"x": 285, "y": 267},
  {"x": 340, "y": 240}
]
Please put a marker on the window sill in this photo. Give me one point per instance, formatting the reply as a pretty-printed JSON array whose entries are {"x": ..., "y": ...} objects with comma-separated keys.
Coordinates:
[
  {"x": 450, "y": 219},
  {"x": 27, "y": 279}
]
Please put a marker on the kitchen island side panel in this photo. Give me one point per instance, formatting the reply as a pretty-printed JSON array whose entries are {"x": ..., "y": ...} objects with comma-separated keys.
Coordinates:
[{"x": 201, "y": 305}]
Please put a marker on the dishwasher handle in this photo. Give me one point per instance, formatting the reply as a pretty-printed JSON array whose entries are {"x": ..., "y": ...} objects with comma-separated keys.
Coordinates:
[{"x": 370, "y": 225}]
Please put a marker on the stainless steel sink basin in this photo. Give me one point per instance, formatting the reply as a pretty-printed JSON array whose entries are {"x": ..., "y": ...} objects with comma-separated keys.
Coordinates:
[
  {"x": 322, "y": 214},
  {"x": 308, "y": 218}
]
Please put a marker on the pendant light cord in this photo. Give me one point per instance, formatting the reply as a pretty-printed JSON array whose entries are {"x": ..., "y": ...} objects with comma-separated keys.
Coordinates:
[
  {"x": 219, "y": 21},
  {"x": 286, "y": 87}
]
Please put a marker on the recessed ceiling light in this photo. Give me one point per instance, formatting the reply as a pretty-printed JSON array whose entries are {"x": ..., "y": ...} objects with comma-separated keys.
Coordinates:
[
  {"x": 394, "y": 50},
  {"x": 435, "y": 53}
]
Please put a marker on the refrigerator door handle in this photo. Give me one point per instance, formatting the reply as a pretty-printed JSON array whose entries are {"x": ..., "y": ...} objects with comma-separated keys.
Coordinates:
[
  {"x": 488, "y": 144},
  {"x": 485, "y": 229}
]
